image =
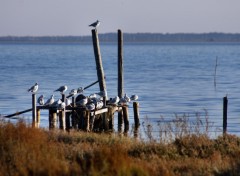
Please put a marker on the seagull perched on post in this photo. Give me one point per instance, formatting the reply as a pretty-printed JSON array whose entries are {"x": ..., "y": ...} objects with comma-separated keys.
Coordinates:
[
  {"x": 50, "y": 101},
  {"x": 61, "y": 89},
  {"x": 34, "y": 88},
  {"x": 41, "y": 100},
  {"x": 95, "y": 24}
]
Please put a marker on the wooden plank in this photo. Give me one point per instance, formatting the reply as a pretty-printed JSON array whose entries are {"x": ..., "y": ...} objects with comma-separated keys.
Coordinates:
[
  {"x": 100, "y": 111},
  {"x": 17, "y": 113}
]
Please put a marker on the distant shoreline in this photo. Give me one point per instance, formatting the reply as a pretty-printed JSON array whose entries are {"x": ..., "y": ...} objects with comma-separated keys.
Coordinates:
[{"x": 130, "y": 38}]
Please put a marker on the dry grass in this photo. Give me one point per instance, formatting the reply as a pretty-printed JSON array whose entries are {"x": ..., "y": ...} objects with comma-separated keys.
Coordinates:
[{"x": 28, "y": 151}]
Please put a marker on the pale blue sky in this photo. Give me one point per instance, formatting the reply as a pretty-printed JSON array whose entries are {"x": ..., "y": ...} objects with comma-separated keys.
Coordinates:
[{"x": 72, "y": 17}]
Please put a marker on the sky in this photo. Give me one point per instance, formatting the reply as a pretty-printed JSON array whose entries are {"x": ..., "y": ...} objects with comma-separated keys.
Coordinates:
[{"x": 72, "y": 17}]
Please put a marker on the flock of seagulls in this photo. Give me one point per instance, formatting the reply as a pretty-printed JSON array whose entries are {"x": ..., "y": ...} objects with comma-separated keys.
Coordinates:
[{"x": 92, "y": 102}]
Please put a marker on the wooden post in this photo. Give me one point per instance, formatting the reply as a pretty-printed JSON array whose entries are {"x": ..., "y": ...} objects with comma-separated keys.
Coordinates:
[
  {"x": 52, "y": 118},
  {"x": 38, "y": 118},
  {"x": 136, "y": 118},
  {"x": 120, "y": 64},
  {"x": 62, "y": 118},
  {"x": 68, "y": 126},
  {"x": 136, "y": 114},
  {"x": 225, "y": 106},
  {"x": 86, "y": 116},
  {"x": 125, "y": 117},
  {"x": 91, "y": 121},
  {"x": 120, "y": 77},
  {"x": 98, "y": 59},
  {"x": 111, "y": 118},
  {"x": 74, "y": 116},
  {"x": 34, "y": 110}
]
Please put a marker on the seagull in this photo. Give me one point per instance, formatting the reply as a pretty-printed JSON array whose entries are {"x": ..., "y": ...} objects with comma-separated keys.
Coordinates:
[
  {"x": 50, "y": 100},
  {"x": 83, "y": 101},
  {"x": 80, "y": 90},
  {"x": 95, "y": 24},
  {"x": 99, "y": 104},
  {"x": 114, "y": 101},
  {"x": 68, "y": 102},
  {"x": 134, "y": 97},
  {"x": 127, "y": 98},
  {"x": 57, "y": 103},
  {"x": 34, "y": 88},
  {"x": 90, "y": 106},
  {"x": 40, "y": 100},
  {"x": 73, "y": 92},
  {"x": 61, "y": 89}
]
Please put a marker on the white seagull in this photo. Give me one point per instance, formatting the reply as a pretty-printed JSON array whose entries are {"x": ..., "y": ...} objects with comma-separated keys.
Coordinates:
[
  {"x": 82, "y": 102},
  {"x": 73, "y": 92},
  {"x": 50, "y": 100},
  {"x": 41, "y": 100},
  {"x": 134, "y": 97},
  {"x": 34, "y": 88},
  {"x": 114, "y": 101},
  {"x": 61, "y": 89},
  {"x": 80, "y": 90},
  {"x": 95, "y": 24}
]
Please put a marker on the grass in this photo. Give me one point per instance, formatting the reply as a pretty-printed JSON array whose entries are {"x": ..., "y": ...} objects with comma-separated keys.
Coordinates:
[{"x": 28, "y": 151}]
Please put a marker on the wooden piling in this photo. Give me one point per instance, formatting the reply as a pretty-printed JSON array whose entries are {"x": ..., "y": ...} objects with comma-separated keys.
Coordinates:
[
  {"x": 86, "y": 116},
  {"x": 136, "y": 114},
  {"x": 98, "y": 59},
  {"x": 125, "y": 118},
  {"x": 38, "y": 118},
  {"x": 52, "y": 118},
  {"x": 120, "y": 77},
  {"x": 62, "y": 115},
  {"x": 34, "y": 109},
  {"x": 111, "y": 118},
  {"x": 74, "y": 116},
  {"x": 120, "y": 64},
  {"x": 225, "y": 107}
]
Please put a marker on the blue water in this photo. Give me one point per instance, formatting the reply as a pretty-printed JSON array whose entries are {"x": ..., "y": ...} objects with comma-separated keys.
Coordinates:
[{"x": 170, "y": 78}]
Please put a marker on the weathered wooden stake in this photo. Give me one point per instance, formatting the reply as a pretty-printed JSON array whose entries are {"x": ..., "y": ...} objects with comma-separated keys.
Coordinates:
[
  {"x": 74, "y": 116},
  {"x": 38, "y": 118},
  {"x": 120, "y": 77},
  {"x": 111, "y": 118},
  {"x": 125, "y": 117},
  {"x": 136, "y": 114},
  {"x": 225, "y": 106},
  {"x": 98, "y": 59},
  {"x": 52, "y": 118},
  {"x": 34, "y": 110},
  {"x": 86, "y": 116},
  {"x": 62, "y": 118}
]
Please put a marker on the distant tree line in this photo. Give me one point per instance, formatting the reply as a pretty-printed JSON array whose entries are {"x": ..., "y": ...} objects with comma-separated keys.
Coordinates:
[{"x": 131, "y": 37}]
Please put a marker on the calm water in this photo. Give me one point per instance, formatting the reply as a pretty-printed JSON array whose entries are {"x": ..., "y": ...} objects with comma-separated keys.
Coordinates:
[{"x": 169, "y": 78}]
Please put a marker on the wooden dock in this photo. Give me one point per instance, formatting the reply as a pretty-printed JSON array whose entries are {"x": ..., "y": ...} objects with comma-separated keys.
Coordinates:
[{"x": 79, "y": 117}]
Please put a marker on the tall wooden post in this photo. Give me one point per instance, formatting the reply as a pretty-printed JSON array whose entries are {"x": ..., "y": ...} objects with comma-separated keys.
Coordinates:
[
  {"x": 38, "y": 118},
  {"x": 62, "y": 118},
  {"x": 225, "y": 106},
  {"x": 52, "y": 118},
  {"x": 74, "y": 117},
  {"x": 120, "y": 77},
  {"x": 136, "y": 118},
  {"x": 98, "y": 59},
  {"x": 125, "y": 117},
  {"x": 136, "y": 114},
  {"x": 34, "y": 110}
]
